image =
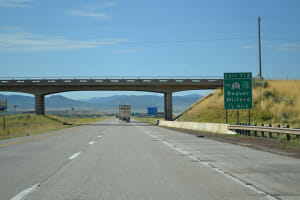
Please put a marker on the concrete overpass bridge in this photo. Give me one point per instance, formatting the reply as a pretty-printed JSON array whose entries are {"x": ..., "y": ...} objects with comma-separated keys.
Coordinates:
[{"x": 41, "y": 86}]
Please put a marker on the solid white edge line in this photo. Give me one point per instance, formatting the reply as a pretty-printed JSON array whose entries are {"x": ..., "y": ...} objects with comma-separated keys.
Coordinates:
[
  {"x": 74, "y": 156},
  {"x": 22, "y": 194},
  {"x": 92, "y": 142}
]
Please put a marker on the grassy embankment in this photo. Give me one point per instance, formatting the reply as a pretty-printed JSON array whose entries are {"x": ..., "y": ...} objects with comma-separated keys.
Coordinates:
[
  {"x": 30, "y": 124},
  {"x": 276, "y": 103}
]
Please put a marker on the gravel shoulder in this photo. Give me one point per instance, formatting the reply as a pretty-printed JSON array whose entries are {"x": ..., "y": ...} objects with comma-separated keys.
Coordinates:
[{"x": 273, "y": 145}]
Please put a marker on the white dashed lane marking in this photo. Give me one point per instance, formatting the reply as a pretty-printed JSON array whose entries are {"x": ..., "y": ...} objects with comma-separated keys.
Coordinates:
[
  {"x": 74, "y": 156},
  {"x": 22, "y": 194}
]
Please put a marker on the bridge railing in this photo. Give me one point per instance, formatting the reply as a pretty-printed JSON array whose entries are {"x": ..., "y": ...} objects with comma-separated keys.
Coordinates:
[{"x": 111, "y": 77}]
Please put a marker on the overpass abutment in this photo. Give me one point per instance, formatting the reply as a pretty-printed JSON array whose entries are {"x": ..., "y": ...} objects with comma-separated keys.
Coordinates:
[
  {"x": 168, "y": 106},
  {"x": 40, "y": 104}
]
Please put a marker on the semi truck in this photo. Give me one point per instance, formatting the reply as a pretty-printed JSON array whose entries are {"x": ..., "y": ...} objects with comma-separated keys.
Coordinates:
[{"x": 124, "y": 113}]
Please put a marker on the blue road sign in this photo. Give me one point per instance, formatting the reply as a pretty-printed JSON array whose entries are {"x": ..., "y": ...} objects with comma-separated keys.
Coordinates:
[{"x": 152, "y": 111}]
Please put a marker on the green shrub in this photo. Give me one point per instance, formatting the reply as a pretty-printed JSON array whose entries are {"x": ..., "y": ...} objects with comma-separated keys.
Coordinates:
[
  {"x": 265, "y": 116},
  {"x": 289, "y": 101},
  {"x": 268, "y": 94},
  {"x": 257, "y": 83}
]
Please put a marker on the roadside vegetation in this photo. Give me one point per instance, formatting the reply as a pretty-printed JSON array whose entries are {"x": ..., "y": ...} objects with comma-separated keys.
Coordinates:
[
  {"x": 148, "y": 120},
  {"x": 30, "y": 124},
  {"x": 274, "y": 102}
]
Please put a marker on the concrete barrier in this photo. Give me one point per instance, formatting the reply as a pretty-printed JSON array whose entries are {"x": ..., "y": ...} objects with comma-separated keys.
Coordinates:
[{"x": 198, "y": 126}]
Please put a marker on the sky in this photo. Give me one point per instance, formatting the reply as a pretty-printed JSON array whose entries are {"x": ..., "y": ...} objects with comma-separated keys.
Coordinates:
[{"x": 92, "y": 38}]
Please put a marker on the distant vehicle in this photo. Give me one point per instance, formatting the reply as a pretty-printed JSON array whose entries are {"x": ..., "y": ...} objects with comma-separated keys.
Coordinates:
[
  {"x": 117, "y": 116},
  {"x": 124, "y": 113}
]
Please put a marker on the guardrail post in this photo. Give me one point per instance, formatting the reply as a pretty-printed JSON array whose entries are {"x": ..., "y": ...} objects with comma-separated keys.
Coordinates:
[
  {"x": 243, "y": 131},
  {"x": 262, "y": 133},
  {"x": 255, "y": 132},
  {"x": 270, "y": 133},
  {"x": 249, "y": 132},
  {"x": 288, "y": 137},
  {"x": 278, "y": 126},
  {"x": 239, "y": 131}
]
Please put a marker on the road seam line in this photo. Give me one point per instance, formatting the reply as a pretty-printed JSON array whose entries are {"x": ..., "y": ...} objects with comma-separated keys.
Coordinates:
[
  {"x": 74, "y": 155},
  {"x": 25, "y": 192}
]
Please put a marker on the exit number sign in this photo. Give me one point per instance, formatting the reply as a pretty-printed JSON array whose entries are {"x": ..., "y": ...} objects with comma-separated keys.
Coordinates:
[{"x": 238, "y": 90}]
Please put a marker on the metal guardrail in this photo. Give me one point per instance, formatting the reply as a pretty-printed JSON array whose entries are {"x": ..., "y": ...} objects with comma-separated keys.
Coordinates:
[{"x": 246, "y": 130}]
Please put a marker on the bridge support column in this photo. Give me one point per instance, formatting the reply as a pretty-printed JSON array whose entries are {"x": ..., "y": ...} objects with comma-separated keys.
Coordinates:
[
  {"x": 168, "y": 106},
  {"x": 40, "y": 104}
]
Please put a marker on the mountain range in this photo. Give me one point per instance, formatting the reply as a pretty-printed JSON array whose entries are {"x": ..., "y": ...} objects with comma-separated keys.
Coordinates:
[{"x": 139, "y": 103}]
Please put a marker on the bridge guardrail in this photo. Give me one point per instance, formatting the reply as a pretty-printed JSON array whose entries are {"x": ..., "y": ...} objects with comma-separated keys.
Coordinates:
[
  {"x": 111, "y": 77},
  {"x": 246, "y": 130},
  {"x": 105, "y": 81}
]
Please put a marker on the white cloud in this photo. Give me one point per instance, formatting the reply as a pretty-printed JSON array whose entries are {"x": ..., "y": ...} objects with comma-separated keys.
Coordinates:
[
  {"x": 288, "y": 45},
  {"x": 100, "y": 5},
  {"x": 247, "y": 47},
  {"x": 15, "y": 3},
  {"x": 10, "y": 28},
  {"x": 83, "y": 13},
  {"x": 28, "y": 42},
  {"x": 126, "y": 50},
  {"x": 89, "y": 10},
  {"x": 285, "y": 47}
]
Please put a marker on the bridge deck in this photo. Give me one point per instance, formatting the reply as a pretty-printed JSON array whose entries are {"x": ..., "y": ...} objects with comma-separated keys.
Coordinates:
[
  {"x": 167, "y": 85},
  {"x": 111, "y": 81}
]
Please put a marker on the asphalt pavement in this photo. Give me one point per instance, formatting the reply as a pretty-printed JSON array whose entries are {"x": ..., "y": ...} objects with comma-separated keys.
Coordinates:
[{"x": 118, "y": 160}]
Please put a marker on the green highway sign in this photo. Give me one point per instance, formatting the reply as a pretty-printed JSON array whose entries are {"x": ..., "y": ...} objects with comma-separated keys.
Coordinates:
[{"x": 238, "y": 90}]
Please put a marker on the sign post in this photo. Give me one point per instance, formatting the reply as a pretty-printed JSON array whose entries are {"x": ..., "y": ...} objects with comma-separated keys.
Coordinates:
[
  {"x": 238, "y": 91},
  {"x": 3, "y": 107}
]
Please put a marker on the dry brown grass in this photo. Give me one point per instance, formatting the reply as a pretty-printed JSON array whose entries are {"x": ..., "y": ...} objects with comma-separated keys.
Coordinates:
[
  {"x": 30, "y": 124},
  {"x": 279, "y": 102}
]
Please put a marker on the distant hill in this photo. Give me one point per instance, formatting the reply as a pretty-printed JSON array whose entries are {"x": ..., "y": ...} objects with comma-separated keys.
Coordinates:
[{"x": 105, "y": 104}]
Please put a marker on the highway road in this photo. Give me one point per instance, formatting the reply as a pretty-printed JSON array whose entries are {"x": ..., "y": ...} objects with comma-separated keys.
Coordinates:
[{"x": 115, "y": 160}]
